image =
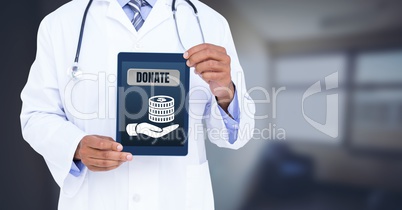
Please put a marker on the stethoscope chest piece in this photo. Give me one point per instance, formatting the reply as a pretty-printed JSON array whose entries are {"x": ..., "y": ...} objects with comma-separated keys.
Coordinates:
[{"x": 74, "y": 71}]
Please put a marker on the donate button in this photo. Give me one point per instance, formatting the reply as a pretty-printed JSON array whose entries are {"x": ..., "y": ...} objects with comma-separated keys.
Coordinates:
[{"x": 153, "y": 77}]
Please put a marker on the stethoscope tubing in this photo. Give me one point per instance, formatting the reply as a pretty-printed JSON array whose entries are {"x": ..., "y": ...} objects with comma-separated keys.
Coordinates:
[
  {"x": 75, "y": 68},
  {"x": 84, "y": 18}
]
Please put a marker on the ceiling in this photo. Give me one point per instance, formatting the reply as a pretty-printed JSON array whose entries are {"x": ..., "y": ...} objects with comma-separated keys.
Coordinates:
[{"x": 286, "y": 20}]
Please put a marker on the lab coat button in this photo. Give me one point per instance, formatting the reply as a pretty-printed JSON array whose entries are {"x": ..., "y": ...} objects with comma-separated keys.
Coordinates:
[{"x": 136, "y": 198}]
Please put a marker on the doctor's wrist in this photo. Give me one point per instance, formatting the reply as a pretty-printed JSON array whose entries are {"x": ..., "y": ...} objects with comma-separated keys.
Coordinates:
[
  {"x": 77, "y": 156},
  {"x": 225, "y": 100}
]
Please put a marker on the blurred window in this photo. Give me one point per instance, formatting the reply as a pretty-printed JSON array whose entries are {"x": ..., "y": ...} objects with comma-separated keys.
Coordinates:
[
  {"x": 307, "y": 69},
  {"x": 297, "y": 73},
  {"x": 379, "y": 67},
  {"x": 377, "y": 115}
]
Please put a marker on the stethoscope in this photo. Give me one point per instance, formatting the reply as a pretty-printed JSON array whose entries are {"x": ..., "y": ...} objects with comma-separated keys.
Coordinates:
[{"x": 75, "y": 71}]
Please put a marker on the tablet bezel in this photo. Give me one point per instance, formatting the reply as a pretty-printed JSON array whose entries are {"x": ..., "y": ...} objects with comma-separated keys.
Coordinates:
[{"x": 152, "y": 57}]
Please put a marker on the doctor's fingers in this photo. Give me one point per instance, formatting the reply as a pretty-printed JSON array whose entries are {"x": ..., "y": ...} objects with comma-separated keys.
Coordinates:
[
  {"x": 105, "y": 155},
  {"x": 203, "y": 47},
  {"x": 101, "y": 143},
  {"x": 219, "y": 78},
  {"x": 97, "y": 168},
  {"x": 212, "y": 66},
  {"x": 217, "y": 53},
  {"x": 103, "y": 163}
]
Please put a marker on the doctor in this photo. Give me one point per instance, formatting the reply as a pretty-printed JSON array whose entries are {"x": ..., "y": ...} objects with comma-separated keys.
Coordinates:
[{"x": 72, "y": 122}]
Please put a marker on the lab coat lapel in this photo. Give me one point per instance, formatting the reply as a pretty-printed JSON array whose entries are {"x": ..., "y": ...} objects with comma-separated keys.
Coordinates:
[
  {"x": 116, "y": 13},
  {"x": 159, "y": 13}
]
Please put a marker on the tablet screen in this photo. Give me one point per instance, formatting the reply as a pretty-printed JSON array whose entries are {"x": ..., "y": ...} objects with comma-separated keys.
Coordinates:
[{"x": 152, "y": 101}]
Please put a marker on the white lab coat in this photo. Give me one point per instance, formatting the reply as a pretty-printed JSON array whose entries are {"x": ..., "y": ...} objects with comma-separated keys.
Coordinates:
[{"x": 57, "y": 112}]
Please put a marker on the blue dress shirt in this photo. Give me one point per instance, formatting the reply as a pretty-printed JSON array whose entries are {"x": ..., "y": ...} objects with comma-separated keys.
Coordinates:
[{"x": 232, "y": 124}]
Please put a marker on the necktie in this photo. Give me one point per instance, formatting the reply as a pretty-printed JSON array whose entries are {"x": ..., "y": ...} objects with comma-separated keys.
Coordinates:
[{"x": 137, "y": 20}]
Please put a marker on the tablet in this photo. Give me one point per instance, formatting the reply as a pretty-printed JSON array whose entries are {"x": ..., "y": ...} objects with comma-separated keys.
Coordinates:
[{"x": 152, "y": 102}]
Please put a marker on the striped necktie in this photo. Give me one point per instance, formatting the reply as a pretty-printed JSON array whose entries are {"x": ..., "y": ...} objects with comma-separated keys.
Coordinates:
[{"x": 137, "y": 20}]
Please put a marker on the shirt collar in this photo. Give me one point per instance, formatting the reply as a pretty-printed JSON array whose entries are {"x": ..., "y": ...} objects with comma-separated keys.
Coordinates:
[{"x": 124, "y": 2}]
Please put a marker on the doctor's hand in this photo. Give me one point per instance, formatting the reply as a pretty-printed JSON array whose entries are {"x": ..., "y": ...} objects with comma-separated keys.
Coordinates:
[
  {"x": 212, "y": 64},
  {"x": 101, "y": 153}
]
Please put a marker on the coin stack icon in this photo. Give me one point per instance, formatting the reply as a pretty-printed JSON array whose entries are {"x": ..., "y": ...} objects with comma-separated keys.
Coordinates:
[{"x": 161, "y": 109}]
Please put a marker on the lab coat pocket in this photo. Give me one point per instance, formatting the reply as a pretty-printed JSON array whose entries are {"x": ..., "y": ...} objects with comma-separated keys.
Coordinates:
[
  {"x": 74, "y": 193},
  {"x": 72, "y": 184},
  {"x": 199, "y": 193}
]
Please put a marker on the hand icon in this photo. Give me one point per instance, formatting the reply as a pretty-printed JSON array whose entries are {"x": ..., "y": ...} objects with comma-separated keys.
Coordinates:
[{"x": 153, "y": 131}]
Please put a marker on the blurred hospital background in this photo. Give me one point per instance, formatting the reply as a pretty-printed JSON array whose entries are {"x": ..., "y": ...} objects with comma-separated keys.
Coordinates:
[
  {"x": 352, "y": 158},
  {"x": 327, "y": 80}
]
